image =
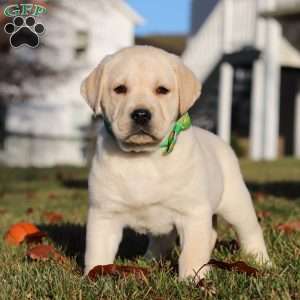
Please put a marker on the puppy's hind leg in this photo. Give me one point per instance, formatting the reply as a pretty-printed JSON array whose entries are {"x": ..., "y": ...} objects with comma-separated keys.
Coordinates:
[{"x": 237, "y": 209}]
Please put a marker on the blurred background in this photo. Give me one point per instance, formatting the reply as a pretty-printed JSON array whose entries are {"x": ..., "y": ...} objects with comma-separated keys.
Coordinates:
[{"x": 245, "y": 52}]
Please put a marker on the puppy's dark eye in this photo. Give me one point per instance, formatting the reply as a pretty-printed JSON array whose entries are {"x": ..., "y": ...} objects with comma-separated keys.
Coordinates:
[
  {"x": 161, "y": 90},
  {"x": 121, "y": 89}
]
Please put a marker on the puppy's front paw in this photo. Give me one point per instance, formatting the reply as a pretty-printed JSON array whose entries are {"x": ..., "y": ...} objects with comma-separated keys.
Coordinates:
[
  {"x": 194, "y": 274},
  {"x": 263, "y": 260},
  {"x": 260, "y": 256}
]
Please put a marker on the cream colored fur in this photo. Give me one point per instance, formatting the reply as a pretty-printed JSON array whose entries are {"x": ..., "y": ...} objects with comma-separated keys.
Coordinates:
[{"x": 132, "y": 184}]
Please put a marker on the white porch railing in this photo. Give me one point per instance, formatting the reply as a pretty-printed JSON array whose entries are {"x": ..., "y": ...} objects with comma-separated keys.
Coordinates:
[
  {"x": 231, "y": 26},
  {"x": 208, "y": 42},
  {"x": 219, "y": 35},
  {"x": 243, "y": 23}
]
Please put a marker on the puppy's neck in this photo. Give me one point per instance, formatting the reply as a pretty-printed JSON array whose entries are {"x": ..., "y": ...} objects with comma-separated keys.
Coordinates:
[
  {"x": 184, "y": 145},
  {"x": 166, "y": 145}
]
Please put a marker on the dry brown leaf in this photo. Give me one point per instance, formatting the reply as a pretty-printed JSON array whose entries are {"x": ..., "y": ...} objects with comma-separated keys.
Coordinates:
[
  {"x": 289, "y": 227},
  {"x": 29, "y": 211},
  {"x": 53, "y": 217},
  {"x": 263, "y": 214},
  {"x": 41, "y": 252},
  {"x": 17, "y": 233},
  {"x": 52, "y": 196},
  {"x": 44, "y": 252},
  {"x": 239, "y": 266},
  {"x": 117, "y": 270},
  {"x": 259, "y": 196},
  {"x": 3, "y": 211}
]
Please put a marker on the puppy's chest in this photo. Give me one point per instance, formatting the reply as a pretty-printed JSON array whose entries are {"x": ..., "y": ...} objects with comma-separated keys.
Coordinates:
[
  {"x": 149, "y": 194},
  {"x": 143, "y": 182},
  {"x": 147, "y": 187}
]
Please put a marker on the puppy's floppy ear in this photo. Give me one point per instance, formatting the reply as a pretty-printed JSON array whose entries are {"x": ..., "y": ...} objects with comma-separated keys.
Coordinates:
[
  {"x": 91, "y": 88},
  {"x": 189, "y": 87}
]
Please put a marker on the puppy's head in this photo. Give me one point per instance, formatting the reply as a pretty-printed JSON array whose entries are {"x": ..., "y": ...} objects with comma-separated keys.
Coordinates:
[{"x": 141, "y": 91}]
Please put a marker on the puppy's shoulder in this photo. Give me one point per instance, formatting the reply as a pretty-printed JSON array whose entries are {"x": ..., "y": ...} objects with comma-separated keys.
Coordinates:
[
  {"x": 213, "y": 142},
  {"x": 206, "y": 136}
]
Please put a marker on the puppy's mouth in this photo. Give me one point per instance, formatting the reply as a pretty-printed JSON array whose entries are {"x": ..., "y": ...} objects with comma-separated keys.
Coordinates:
[{"x": 141, "y": 137}]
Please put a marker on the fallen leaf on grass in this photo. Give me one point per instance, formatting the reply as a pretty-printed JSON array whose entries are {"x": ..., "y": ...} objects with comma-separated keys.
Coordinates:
[
  {"x": 239, "y": 266},
  {"x": 41, "y": 252},
  {"x": 17, "y": 233},
  {"x": 289, "y": 227},
  {"x": 3, "y": 211},
  {"x": 263, "y": 214},
  {"x": 29, "y": 211},
  {"x": 52, "y": 196},
  {"x": 53, "y": 217},
  {"x": 44, "y": 252},
  {"x": 116, "y": 270},
  {"x": 259, "y": 196}
]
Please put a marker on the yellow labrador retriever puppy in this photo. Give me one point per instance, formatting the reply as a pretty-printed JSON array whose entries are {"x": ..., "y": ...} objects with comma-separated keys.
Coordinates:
[{"x": 141, "y": 92}]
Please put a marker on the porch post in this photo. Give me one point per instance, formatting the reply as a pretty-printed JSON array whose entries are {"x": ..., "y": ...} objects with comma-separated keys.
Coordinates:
[
  {"x": 272, "y": 87},
  {"x": 257, "y": 111},
  {"x": 226, "y": 77},
  {"x": 257, "y": 93},
  {"x": 225, "y": 102}
]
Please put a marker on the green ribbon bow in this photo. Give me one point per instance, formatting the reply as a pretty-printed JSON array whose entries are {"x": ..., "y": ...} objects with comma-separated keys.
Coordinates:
[{"x": 183, "y": 123}]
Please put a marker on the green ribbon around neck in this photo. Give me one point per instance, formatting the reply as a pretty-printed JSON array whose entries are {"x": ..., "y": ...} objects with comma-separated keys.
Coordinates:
[{"x": 183, "y": 123}]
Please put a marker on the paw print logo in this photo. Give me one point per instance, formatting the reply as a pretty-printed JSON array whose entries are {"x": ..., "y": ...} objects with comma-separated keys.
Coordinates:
[{"x": 24, "y": 31}]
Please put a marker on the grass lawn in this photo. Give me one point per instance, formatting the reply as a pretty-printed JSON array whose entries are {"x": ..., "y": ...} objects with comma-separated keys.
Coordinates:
[{"x": 276, "y": 189}]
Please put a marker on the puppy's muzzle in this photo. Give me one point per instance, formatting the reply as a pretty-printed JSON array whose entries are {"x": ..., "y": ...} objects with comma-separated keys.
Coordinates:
[
  {"x": 141, "y": 117},
  {"x": 141, "y": 129}
]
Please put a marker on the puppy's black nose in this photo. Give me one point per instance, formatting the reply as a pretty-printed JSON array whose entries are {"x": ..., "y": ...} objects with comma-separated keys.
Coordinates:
[{"x": 141, "y": 116}]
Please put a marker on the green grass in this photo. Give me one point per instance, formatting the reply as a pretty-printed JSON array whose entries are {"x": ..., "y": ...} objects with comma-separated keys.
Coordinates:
[{"x": 275, "y": 186}]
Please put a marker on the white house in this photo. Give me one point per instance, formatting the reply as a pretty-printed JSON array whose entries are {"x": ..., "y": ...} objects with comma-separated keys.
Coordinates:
[
  {"x": 48, "y": 127},
  {"x": 263, "y": 34}
]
